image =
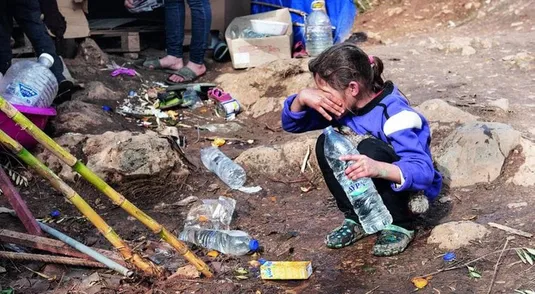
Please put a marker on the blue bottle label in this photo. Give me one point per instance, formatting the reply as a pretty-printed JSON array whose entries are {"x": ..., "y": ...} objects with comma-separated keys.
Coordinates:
[
  {"x": 357, "y": 189},
  {"x": 26, "y": 91}
]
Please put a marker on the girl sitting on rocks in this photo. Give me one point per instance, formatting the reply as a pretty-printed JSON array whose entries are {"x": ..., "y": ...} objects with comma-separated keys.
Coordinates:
[{"x": 392, "y": 138}]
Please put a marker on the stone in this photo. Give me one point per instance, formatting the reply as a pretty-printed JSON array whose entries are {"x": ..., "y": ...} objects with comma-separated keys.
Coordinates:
[
  {"x": 458, "y": 43},
  {"x": 517, "y": 205},
  {"x": 475, "y": 153},
  {"x": 91, "y": 53},
  {"x": 525, "y": 176},
  {"x": 117, "y": 156},
  {"x": 436, "y": 110},
  {"x": 2, "y": 270},
  {"x": 81, "y": 117},
  {"x": 468, "y": 50},
  {"x": 524, "y": 60},
  {"x": 70, "y": 141},
  {"x": 454, "y": 235},
  {"x": 502, "y": 104},
  {"x": 97, "y": 92},
  {"x": 279, "y": 159},
  {"x": 394, "y": 11}
]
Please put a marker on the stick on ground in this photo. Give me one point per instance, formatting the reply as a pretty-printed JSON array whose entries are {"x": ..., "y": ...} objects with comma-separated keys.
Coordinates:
[
  {"x": 496, "y": 266},
  {"x": 511, "y": 230}
]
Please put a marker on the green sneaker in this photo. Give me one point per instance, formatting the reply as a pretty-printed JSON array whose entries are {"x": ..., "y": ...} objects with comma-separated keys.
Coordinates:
[
  {"x": 348, "y": 233},
  {"x": 392, "y": 240}
]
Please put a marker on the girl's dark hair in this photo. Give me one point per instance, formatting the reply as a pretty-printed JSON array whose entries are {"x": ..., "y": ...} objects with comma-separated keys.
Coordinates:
[{"x": 345, "y": 62}]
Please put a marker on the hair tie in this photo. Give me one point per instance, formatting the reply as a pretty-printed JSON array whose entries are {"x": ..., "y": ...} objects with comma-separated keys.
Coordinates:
[{"x": 372, "y": 60}]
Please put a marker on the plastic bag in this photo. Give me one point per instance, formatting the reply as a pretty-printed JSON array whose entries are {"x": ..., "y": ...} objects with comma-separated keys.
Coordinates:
[
  {"x": 213, "y": 214},
  {"x": 145, "y": 5}
]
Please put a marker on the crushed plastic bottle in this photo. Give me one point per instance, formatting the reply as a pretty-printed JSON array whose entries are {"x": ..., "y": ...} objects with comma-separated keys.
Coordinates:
[
  {"x": 318, "y": 30},
  {"x": 213, "y": 214},
  {"x": 191, "y": 99},
  {"x": 226, "y": 242},
  {"x": 227, "y": 170},
  {"x": 30, "y": 83},
  {"x": 367, "y": 203}
]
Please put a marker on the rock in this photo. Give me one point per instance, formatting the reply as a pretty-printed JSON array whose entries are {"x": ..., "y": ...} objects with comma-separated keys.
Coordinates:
[
  {"x": 70, "y": 141},
  {"x": 91, "y": 53},
  {"x": 83, "y": 118},
  {"x": 468, "y": 50},
  {"x": 475, "y": 153},
  {"x": 524, "y": 60},
  {"x": 97, "y": 91},
  {"x": 517, "y": 205},
  {"x": 2, "y": 270},
  {"x": 502, "y": 104},
  {"x": 454, "y": 235},
  {"x": 394, "y": 11},
  {"x": 525, "y": 176},
  {"x": 116, "y": 156},
  {"x": 440, "y": 111},
  {"x": 458, "y": 43},
  {"x": 279, "y": 159}
]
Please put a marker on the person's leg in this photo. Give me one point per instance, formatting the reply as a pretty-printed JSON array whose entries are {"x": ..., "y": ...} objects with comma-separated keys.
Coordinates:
[
  {"x": 175, "y": 13},
  {"x": 350, "y": 231},
  {"x": 27, "y": 13},
  {"x": 6, "y": 24},
  {"x": 201, "y": 21}
]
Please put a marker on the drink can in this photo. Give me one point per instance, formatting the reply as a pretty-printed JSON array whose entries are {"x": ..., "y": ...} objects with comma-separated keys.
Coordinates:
[{"x": 228, "y": 109}]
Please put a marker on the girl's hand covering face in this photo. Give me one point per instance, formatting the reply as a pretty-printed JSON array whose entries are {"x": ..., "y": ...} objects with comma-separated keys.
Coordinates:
[{"x": 323, "y": 102}]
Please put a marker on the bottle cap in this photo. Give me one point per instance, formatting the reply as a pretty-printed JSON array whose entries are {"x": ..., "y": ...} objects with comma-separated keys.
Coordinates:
[
  {"x": 262, "y": 260},
  {"x": 449, "y": 256},
  {"x": 54, "y": 213},
  {"x": 49, "y": 59},
  {"x": 253, "y": 245}
]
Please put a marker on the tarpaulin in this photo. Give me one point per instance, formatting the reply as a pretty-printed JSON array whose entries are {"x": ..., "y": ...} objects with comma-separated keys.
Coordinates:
[{"x": 341, "y": 12}]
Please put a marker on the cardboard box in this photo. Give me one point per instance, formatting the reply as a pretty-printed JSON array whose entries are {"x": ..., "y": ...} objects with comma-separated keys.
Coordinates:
[
  {"x": 254, "y": 52},
  {"x": 73, "y": 11},
  {"x": 286, "y": 270},
  {"x": 223, "y": 12}
]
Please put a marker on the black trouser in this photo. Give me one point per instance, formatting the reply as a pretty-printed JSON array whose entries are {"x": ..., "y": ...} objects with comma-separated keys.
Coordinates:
[
  {"x": 27, "y": 13},
  {"x": 395, "y": 202}
]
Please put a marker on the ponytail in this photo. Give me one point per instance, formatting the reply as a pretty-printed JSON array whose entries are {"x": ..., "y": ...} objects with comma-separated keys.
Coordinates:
[{"x": 377, "y": 71}]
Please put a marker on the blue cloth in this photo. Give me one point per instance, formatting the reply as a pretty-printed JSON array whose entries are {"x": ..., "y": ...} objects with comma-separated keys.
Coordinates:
[
  {"x": 201, "y": 15},
  {"x": 408, "y": 133},
  {"x": 341, "y": 12}
]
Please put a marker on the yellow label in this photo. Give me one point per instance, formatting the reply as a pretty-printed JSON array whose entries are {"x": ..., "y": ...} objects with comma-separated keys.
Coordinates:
[{"x": 286, "y": 270}]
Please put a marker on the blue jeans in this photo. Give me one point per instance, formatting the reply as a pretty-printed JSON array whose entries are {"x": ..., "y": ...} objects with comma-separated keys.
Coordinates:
[
  {"x": 201, "y": 20},
  {"x": 27, "y": 13}
]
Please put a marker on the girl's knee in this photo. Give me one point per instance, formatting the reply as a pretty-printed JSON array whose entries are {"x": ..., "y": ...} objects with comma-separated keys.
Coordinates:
[{"x": 377, "y": 150}]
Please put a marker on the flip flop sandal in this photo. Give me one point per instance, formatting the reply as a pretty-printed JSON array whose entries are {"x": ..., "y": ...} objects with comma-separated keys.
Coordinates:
[
  {"x": 186, "y": 73},
  {"x": 151, "y": 63},
  {"x": 346, "y": 234},
  {"x": 218, "y": 95},
  {"x": 392, "y": 240}
]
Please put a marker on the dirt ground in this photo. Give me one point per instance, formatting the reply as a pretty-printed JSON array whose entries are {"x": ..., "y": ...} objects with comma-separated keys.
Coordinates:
[{"x": 291, "y": 224}]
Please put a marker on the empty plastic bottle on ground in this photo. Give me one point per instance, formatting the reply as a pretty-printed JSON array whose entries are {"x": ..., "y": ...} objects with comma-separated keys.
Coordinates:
[
  {"x": 367, "y": 203},
  {"x": 191, "y": 99},
  {"x": 227, "y": 170},
  {"x": 30, "y": 83},
  {"x": 319, "y": 33},
  {"x": 226, "y": 242}
]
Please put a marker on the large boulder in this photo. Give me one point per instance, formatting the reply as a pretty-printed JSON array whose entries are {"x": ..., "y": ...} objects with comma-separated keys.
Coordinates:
[
  {"x": 436, "y": 110},
  {"x": 525, "y": 176},
  {"x": 475, "y": 153},
  {"x": 454, "y": 235},
  {"x": 70, "y": 141},
  {"x": 84, "y": 118},
  {"x": 279, "y": 159}
]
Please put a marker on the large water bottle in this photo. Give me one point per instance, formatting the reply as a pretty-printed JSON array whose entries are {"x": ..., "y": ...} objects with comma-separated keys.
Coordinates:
[
  {"x": 226, "y": 242},
  {"x": 30, "y": 83},
  {"x": 227, "y": 170},
  {"x": 367, "y": 203},
  {"x": 319, "y": 33}
]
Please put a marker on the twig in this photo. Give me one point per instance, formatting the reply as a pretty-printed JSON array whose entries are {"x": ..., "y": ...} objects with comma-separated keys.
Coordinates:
[
  {"x": 465, "y": 264},
  {"x": 372, "y": 290},
  {"x": 198, "y": 135},
  {"x": 496, "y": 266},
  {"x": 511, "y": 230},
  {"x": 305, "y": 160},
  {"x": 288, "y": 182}
]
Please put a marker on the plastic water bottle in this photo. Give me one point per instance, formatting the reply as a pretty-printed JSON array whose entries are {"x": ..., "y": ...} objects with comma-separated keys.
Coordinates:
[
  {"x": 226, "y": 242},
  {"x": 367, "y": 203},
  {"x": 319, "y": 32},
  {"x": 191, "y": 99},
  {"x": 227, "y": 170},
  {"x": 30, "y": 83}
]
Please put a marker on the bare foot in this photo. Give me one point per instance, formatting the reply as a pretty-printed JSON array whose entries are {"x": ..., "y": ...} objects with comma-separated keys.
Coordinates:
[
  {"x": 172, "y": 62},
  {"x": 198, "y": 69}
]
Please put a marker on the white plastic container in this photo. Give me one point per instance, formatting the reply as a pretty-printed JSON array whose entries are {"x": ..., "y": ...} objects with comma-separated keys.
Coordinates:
[{"x": 269, "y": 27}]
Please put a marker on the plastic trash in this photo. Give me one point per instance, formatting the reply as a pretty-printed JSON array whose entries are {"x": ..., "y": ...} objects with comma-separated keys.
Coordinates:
[
  {"x": 367, "y": 203},
  {"x": 227, "y": 170},
  {"x": 30, "y": 83},
  {"x": 145, "y": 5},
  {"x": 226, "y": 242},
  {"x": 191, "y": 99},
  {"x": 319, "y": 32},
  {"x": 215, "y": 214}
]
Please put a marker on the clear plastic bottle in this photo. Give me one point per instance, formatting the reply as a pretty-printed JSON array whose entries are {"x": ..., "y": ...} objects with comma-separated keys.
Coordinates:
[
  {"x": 226, "y": 242},
  {"x": 30, "y": 83},
  {"x": 227, "y": 170},
  {"x": 191, "y": 99},
  {"x": 367, "y": 203},
  {"x": 319, "y": 32}
]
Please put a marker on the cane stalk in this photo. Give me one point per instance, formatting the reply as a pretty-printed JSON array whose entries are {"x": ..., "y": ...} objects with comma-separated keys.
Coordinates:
[
  {"x": 80, "y": 204},
  {"x": 102, "y": 186}
]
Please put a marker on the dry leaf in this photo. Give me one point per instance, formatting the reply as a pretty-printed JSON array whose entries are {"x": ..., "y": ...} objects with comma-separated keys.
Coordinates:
[
  {"x": 189, "y": 271},
  {"x": 213, "y": 253},
  {"x": 241, "y": 271},
  {"x": 306, "y": 189},
  {"x": 203, "y": 218},
  {"x": 242, "y": 277},
  {"x": 419, "y": 282}
]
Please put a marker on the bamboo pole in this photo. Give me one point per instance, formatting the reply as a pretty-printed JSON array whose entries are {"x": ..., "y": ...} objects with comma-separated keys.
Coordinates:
[
  {"x": 101, "y": 185},
  {"x": 50, "y": 259},
  {"x": 80, "y": 204}
]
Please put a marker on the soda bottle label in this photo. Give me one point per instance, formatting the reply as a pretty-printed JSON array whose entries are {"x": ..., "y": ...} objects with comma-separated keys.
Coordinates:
[{"x": 357, "y": 189}]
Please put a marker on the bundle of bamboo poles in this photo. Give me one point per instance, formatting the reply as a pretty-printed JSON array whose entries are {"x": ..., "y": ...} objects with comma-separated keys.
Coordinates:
[{"x": 101, "y": 185}]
